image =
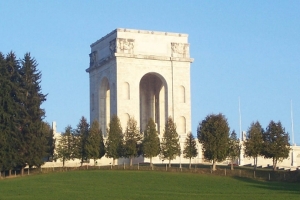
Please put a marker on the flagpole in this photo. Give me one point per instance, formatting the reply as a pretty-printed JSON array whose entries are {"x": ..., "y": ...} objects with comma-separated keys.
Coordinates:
[{"x": 293, "y": 141}]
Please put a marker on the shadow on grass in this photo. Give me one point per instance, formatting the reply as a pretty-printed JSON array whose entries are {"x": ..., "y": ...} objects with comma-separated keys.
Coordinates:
[{"x": 271, "y": 185}]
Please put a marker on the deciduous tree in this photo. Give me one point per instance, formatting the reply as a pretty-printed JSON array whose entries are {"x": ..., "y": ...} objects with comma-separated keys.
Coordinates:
[
  {"x": 276, "y": 143},
  {"x": 254, "y": 142},
  {"x": 213, "y": 134}
]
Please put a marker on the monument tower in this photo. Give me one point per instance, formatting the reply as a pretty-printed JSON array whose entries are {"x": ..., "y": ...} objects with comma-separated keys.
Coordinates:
[{"x": 143, "y": 74}]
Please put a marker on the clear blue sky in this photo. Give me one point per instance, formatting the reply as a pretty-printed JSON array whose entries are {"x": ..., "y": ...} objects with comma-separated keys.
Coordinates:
[{"x": 247, "y": 49}]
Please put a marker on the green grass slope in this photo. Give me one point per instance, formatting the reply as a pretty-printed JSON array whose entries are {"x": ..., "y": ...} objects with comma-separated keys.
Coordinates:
[{"x": 108, "y": 184}]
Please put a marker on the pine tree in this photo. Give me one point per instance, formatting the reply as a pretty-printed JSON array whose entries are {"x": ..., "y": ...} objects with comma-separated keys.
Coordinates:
[
  {"x": 65, "y": 148},
  {"x": 81, "y": 136},
  {"x": 190, "y": 148},
  {"x": 254, "y": 142},
  {"x": 9, "y": 113},
  {"x": 31, "y": 99},
  {"x": 170, "y": 147},
  {"x": 114, "y": 143},
  {"x": 102, "y": 149},
  {"x": 276, "y": 143},
  {"x": 50, "y": 146},
  {"x": 132, "y": 143},
  {"x": 213, "y": 134},
  {"x": 234, "y": 148},
  {"x": 93, "y": 142},
  {"x": 151, "y": 143}
]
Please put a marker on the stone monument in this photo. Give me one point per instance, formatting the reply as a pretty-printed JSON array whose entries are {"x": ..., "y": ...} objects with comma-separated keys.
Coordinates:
[{"x": 143, "y": 74}]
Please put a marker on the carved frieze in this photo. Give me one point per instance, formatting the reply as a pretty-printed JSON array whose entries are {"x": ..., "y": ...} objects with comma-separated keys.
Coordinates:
[
  {"x": 180, "y": 50},
  {"x": 112, "y": 47},
  {"x": 125, "y": 45},
  {"x": 93, "y": 58}
]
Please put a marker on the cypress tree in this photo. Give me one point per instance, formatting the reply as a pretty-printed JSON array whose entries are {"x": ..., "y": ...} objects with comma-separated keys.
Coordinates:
[
  {"x": 190, "y": 148},
  {"x": 132, "y": 143},
  {"x": 151, "y": 143},
  {"x": 81, "y": 137},
  {"x": 170, "y": 147},
  {"x": 93, "y": 142},
  {"x": 114, "y": 142}
]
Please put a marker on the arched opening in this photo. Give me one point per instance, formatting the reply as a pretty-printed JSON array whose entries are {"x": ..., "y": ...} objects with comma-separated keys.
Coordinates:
[
  {"x": 126, "y": 91},
  {"x": 181, "y": 94},
  {"x": 125, "y": 118},
  {"x": 104, "y": 105},
  {"x": 181, "y": 125},
  {"x": 153, "y": 100}
]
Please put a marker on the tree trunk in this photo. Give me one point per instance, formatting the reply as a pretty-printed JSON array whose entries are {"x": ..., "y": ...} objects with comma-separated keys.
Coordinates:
[
  {"x": 231, "y": 166},
  {"x": 9, "y": 172},
  {"x": 130, "y": 161},
  {"x": 255, "y": 162},
  {"x": 151, "y": 165},
  {"x": 169, "y": 162},
  {"x": 113, "y": 161},
  {"x": 190, "y": 163},
  {"x": 214, "y": 165},
  {"x": 274, "y": 164},
  {"x": 22, "y": 171}
]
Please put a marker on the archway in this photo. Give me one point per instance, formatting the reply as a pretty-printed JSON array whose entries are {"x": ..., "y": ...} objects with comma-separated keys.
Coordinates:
[
  {"x": 104, "y": 105},
  {"x": 153, "y": 100}
]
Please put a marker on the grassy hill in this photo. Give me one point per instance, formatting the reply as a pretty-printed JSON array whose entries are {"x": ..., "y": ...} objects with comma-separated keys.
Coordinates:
[{"x": 112, "y": 184}]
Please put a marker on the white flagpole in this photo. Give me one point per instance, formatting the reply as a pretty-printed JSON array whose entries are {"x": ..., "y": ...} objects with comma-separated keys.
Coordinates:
[
  {"x": 240, "y": 119},
  {"x": 293, "y": 141}
]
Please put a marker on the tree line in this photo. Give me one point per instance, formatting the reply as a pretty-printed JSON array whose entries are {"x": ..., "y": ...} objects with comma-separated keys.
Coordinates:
[
  {"x": 86, "y": 142},
  {"x": 217, "y": 145},
  {"x": 24, "y": 138}
]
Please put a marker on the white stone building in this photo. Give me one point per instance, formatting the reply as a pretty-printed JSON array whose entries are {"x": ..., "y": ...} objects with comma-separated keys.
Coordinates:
[{"x": 142, "y": 74}]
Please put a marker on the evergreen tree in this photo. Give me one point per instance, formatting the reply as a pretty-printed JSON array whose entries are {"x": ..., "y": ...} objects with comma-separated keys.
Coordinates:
[
  {"x": 151, "y": 143},
  {"x": 132, "y": 143},
  {"x": 234, "y": 148},
  {"x": 276, "y": 143},
  {"x": 81, "y": 136},
  {"x": 190, "y": 148},
  {"x": 254, "y": 142},
  {"x": 9, "y": 112},
  {"x": 50, "y": 146},
  {"x": 213, "y": 134},
  {"x": 170, "y": 147},
  {"x": 102, "y": 149},
  {"x": 114, "y": 143},
  {"x": 93, "y": 142},
  {"x": 31, "y": 98},
  {"x": 65, "y": 148}
]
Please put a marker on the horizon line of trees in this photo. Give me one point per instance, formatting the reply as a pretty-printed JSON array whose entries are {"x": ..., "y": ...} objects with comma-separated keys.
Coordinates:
[
  {"x": 25, "y": 139},
  {"x": 218, "y": 143}
]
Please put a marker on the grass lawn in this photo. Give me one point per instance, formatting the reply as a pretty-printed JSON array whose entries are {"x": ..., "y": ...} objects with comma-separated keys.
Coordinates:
[{"x": 106, "y": 184}]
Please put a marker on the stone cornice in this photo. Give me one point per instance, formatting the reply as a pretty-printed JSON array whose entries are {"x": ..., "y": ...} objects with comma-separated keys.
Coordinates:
[
  {"x": 152, "y": 57},
  {"x": 138, "y": 31},
  {"x": 147, "y": 57}
]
